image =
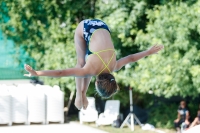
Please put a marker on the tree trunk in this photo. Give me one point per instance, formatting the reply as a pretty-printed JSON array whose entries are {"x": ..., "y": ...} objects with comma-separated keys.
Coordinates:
[{"x": 66, "y": 109}]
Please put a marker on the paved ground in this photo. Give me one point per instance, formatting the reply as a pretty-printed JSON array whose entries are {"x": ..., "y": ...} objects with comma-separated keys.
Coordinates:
[{"x": 71, "y": 127}]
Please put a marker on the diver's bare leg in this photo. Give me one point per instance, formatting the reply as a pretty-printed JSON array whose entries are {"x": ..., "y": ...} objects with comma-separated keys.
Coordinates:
[{"x": 81, "y": 83}]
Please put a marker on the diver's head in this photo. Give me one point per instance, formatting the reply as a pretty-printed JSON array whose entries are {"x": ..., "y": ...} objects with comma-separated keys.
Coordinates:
[{"x": 106, "y": 85}]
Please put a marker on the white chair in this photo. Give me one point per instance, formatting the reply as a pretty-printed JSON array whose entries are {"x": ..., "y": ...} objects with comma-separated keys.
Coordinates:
[
  {"x": 110, "y": 114},
  {"x": 19, "y": 105},
  {"x": 90, "y": 114},
  {"x": 36, "y": 105},
  {"x": 5, "y": 106},
  {"x": 54, "y": 104}
]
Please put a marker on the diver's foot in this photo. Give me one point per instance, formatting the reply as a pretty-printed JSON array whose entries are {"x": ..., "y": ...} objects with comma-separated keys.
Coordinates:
[
  {"x": 78, "y": 102},
  {"x": 85, "y": 101}
]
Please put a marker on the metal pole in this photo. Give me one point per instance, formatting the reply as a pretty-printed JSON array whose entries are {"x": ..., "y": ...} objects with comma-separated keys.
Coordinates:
[
  {"x": 131, "y": 115},
  {"x": 131, "y": 100},
  {"x": 131, "y": 108}
]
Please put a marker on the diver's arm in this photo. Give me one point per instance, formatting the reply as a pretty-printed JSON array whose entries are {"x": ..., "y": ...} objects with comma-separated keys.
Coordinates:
[
  {"x": 135, "y": 57},
  {"x": 76, "y": 72}
]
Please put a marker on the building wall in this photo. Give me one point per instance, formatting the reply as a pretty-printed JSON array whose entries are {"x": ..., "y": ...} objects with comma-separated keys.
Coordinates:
[{"x": 12, "y": 60}]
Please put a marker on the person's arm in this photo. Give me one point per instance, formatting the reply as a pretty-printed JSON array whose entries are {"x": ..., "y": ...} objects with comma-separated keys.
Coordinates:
[
  {"x": 178, "y": 116},
  {"x": 193, "y": 123},
  {"x": 135, "y": 57},
  {"x": 77, "y": 72},
  {"x": 187, "y": 118}
]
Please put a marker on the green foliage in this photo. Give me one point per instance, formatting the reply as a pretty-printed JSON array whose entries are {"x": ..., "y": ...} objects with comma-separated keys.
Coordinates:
[
  {"x": 163, "y": 115},
  {"x": 174, "y": 71},
  {"x": 135, "y": 25},
  {"x": 45, "y": 29},
  {"x": 193, "y": 108}
]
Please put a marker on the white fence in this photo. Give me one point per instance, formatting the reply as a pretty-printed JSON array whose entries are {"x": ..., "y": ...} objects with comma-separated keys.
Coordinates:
[{"x": 26, "y": 103}]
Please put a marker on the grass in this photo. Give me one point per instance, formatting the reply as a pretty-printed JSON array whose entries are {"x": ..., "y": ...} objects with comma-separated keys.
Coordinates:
[{"x": 110, "y": 129}]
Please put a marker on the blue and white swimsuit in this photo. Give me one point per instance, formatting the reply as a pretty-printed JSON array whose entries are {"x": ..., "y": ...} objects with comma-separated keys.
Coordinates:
[{"x": 88, "y": 29}]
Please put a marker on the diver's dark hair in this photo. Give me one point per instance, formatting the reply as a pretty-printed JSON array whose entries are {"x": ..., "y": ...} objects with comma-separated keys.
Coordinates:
[{"x": 106, "y": 85}]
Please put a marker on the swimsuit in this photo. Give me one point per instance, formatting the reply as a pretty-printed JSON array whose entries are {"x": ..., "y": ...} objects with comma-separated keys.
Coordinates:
[{"x": 90, "y": 26}]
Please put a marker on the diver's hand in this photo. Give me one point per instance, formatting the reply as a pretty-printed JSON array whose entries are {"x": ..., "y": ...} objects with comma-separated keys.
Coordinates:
[
  {"x": 31, "y": 71},
  {"x": 155, "y": 49}
]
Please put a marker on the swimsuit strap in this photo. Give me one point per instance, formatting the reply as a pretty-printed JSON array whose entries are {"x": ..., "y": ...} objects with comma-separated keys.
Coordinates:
[
  {"x": 106, "y": 65},
  {"x": 110, "y": 49}
]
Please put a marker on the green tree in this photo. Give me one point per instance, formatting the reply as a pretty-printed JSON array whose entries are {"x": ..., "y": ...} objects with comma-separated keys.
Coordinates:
[
  {"x": 175, "y": 71},
  {"x": 46, "y": 28}
]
